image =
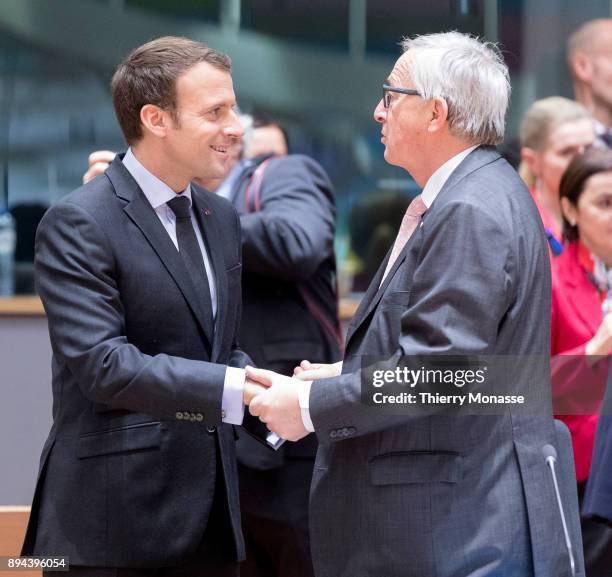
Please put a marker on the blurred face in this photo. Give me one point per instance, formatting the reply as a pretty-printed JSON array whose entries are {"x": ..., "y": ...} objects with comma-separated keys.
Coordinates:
[
  {"x": 593, "y": 215},
  {"x": 265, "y": 140},
  {"x": 404, "y": 122},
  {"x": 601, "y": 62},
  {"x": 563, "y": 143},
  {"x": 200, "y": 142}
]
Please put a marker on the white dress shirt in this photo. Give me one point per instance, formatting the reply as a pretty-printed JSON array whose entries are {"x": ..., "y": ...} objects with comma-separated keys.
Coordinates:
[
  {"x": 158, "y": 194},
  {"x": 431, "y": 190}
]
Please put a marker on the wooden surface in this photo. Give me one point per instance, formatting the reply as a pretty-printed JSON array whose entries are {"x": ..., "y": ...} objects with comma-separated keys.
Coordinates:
[
  {"x": 31, "y": 306},
  {"x": 21, "y": 306},
  {"x": 13, "y": 521}
]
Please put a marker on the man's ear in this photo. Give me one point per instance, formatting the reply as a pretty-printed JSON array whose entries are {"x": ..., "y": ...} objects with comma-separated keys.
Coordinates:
[
  {"x": 532, "y": 160},
  {"x": 582, "y": 67},
  {"x": 154, "y": 119},
  {"x": 438, "y": 115}
]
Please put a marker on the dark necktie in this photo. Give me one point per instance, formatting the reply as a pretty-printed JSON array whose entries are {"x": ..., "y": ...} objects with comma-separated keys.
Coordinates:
[{"x": 190, "y": 252}]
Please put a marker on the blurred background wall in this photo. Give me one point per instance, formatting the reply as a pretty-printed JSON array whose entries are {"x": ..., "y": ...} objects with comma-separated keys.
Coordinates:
[{"x": 317, "y": 65}]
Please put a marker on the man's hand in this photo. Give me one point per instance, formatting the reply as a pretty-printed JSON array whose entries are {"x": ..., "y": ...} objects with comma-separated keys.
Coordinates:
[
  {"x": 308, "y": 371},
  {"x": 98, "y": 163},
  {"x": 251, "y": 390},
  {"x": 278, "y": 406}
]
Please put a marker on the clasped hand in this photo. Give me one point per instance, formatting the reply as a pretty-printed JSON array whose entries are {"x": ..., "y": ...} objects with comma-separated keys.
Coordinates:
[{"x": 274, "y": 397}]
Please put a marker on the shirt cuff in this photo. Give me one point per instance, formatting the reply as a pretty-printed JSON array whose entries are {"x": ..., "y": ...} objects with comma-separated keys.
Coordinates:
[
  {"x": 304, "y": 401},
  {"x": 232, "y": 403}
]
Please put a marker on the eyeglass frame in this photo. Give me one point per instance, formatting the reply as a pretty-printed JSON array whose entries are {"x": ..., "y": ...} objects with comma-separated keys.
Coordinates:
[{"x": 388, "y": 88}]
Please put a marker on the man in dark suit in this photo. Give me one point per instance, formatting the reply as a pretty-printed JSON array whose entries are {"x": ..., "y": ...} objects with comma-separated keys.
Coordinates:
[
  {"x": 139, "y": 272},
  {"x": 287, "y": 214},
  {"x": 422, "y": 493}
]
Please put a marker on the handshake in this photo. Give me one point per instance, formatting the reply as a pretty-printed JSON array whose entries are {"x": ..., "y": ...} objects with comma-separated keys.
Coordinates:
[{"x": 274, "y": 398}]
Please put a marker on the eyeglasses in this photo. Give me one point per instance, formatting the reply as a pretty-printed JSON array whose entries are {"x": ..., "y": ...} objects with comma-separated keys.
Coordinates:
[{"x": 387, "y": 97}]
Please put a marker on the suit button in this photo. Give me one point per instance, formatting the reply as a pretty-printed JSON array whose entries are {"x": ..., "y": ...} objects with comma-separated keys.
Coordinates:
[
  {"x": 333, "y": 434},
  {"x": 186, "y": 415},
  {"x": 345, "y": 432},
  {"x": 352, "y": 430},
  {"x": 179, "y": 416},
  {"x": 192, "y": 417},
  {"x": 199, "y": 417},
  {"x": 211, "y": 430}
]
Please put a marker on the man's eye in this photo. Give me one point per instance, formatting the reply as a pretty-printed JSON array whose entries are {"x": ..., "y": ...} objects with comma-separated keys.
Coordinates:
[{"x": 214, "y": 113}]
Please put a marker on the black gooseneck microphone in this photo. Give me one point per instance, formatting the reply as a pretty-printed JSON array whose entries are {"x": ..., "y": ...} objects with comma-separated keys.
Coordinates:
[{"x": 550, "y": 454}]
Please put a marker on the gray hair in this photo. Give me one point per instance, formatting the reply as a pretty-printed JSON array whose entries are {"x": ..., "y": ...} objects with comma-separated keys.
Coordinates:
[{"x": 470, "y": 75}]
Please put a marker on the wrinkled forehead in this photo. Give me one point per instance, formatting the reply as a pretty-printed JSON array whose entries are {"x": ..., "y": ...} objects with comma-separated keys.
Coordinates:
[{"x": 400, "y": 75}]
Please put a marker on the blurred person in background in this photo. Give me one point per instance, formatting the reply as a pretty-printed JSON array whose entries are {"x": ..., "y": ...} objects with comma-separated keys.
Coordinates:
[
  {"x": 287, "y": 215},
  {"x": 266, "y": 137},
  {"x": 581, "y": 332},
  {"x": 552, "y": 132},
  {"x": 589, "y": 55}
]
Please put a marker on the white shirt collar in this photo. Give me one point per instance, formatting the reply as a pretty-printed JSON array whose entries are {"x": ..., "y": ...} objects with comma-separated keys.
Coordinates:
[
  {"x": 157, "y": 192},
  {"x": 437, "y": 180}
]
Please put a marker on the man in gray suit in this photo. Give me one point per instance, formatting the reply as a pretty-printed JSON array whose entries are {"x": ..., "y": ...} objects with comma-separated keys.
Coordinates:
[{"x": 424, "y": 495}]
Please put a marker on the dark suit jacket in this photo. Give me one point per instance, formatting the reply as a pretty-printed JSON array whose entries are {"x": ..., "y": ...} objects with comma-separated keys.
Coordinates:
[
  {"x": 598, "y": 499},
  {"x": 403, "y": 495},
  {"x": 288, "y": 257},
  {"x": 127, "y": 475}
]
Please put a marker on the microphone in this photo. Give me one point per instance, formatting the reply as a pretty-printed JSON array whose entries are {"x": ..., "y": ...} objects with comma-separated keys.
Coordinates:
[{"x": 550, "y": 455}]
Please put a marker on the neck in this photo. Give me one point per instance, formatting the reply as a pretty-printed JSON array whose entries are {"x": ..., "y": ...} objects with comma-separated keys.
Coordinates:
[
  {"x": 599, "y": 110},
  {"x": 437, "y": 155},
  {"x": 158, "y": 164},
  {"x": 550, "y": 203}
]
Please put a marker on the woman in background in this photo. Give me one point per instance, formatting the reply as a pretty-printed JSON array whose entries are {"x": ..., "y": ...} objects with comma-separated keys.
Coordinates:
[
  {"x": 581, "y": 330},
  {"x": 552, "y": 132}
]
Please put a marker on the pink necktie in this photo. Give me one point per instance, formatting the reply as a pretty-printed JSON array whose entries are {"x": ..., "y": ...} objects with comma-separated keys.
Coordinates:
[{"x": 409, "y": 223}]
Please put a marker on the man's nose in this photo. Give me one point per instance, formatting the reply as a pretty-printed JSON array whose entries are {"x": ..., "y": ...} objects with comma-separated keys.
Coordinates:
[
  {"x": 380, "y": 112},
  {"x": 234, "y": 127}
]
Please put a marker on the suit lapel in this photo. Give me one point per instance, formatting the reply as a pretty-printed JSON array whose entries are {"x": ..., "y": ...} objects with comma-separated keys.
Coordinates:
[
  {"x": 213, "y": 239},
  {"x": 479, "y": 157},
  {"x": 144, "y": 217}
]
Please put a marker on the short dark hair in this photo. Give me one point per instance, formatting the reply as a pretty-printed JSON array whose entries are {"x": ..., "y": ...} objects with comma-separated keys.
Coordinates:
[
  {"x": 580, "y": 169},
  {"x": 148, "y": 76}
]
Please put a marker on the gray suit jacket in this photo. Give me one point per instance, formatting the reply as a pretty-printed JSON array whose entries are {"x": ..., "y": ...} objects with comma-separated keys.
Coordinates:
[{"x": 444, "y": 495}]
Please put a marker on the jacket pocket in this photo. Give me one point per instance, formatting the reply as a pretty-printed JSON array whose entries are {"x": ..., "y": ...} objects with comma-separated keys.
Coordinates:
[
  {"x": 416, "y": 467},
  {"x": 120, "y": 440}
]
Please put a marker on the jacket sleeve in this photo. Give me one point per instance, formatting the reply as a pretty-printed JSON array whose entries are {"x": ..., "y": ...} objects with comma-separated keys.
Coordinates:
[
  {"x": 294, "y": 230},
  {"x": 77, "y": 282}
]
